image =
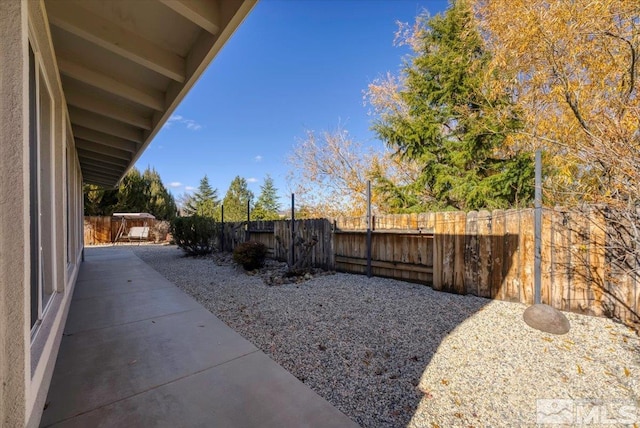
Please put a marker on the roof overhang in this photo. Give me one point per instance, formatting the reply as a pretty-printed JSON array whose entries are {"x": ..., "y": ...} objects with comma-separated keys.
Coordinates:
[{"x": 126, "y": 65}]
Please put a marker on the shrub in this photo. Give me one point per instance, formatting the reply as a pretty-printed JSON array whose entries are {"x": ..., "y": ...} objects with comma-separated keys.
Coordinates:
[
  {"x": 195, "y": 234},
  {"x": 250, "y": 255},
  {"x": 161, "y": 230}
]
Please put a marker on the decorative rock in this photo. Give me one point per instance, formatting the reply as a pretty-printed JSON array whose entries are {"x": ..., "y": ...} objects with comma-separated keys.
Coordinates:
[{"x": 545, "y": 318}]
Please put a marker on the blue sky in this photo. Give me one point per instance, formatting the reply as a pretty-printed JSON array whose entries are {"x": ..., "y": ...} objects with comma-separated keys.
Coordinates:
[{"x": 293, "y": 65}]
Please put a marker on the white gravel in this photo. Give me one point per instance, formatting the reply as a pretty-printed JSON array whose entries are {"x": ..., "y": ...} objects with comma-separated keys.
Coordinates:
[{"x": 393, "y": 354}]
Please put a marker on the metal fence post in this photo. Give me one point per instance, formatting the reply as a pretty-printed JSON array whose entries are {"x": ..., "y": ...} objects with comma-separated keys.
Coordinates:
[
  {"x": 537, "y": 266},
  {"x": 369, "y": 229},
  {"x": 221, "y": 227},
  {"x": 293, "y": 233}
]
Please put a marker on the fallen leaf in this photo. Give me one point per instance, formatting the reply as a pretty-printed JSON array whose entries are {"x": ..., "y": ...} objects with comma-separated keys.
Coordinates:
[
  {"x": 627, "y": 372},
  {"x": 444, "y": 382},
  {"x": 548, "y": 339},
  {"x": 580, "y": 371}
]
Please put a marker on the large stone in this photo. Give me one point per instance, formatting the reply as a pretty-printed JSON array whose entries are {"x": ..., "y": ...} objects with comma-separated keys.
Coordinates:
[{"x": 545, "y": 318}]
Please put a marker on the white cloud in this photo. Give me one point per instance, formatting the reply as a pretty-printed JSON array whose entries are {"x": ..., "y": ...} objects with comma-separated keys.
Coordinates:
[
  {"x": 175, "y": 184},
  {"x": 188, "y": 123},
  {"x": 252, "y": 180},
  {"x": 192, "y": 125},
  {"x": 258, "y": 158},
  {"x": 189, "y": 188}
]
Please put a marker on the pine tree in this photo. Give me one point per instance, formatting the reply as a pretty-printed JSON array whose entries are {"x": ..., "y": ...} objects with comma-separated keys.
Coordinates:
[
  {"x": 133, "y": 193},
  {"x": 136, "y": 193},
  {"x": 236, "y": 200},
  {"x": 99, "y": 201},
  {"x": 161, "y": 203},
  {"x": 453, "y": 123},
  {"x": 267, "y": 206},
  {"x": 204, "y": 202}
]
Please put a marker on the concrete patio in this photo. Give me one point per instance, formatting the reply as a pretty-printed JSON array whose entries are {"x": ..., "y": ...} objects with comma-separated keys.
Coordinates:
[{"x": 137, "y": 351}]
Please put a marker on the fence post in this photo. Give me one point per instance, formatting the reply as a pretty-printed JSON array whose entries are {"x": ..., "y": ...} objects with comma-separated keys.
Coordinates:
[
  {"x": 369, "y": 228},
  {"x": 293, "y": 233},
  {"x": 247, "y": 235},
  {"x": 537, "y": 273},
  {"x": 221, "y": 227}
]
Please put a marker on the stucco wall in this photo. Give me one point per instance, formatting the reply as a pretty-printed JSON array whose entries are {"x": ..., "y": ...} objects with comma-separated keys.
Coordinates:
[
  {"x": 27, "y": 360},
  {"x": 14, "y": 247}
]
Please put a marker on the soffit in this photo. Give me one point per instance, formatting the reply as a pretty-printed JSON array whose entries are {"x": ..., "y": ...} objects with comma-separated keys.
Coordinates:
[{"x": 125, "y": 66}]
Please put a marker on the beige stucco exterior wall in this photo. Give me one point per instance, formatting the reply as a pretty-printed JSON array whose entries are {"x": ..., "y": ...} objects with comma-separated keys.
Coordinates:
[
  {"x": 27, "y": 360},
  {"x": 14, "y": 221}
]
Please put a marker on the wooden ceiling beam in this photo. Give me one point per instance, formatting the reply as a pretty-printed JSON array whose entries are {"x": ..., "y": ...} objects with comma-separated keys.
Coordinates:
[
  {"x": 87, "y": 154},
  {"x": 146, "y": 97},
  {"x": 105, "y": 139},
  {"x": 205, "y": 14},
  {"x": 81, "y": 99},
  {"x": 102, "y": 149},
  {"x": 114, "y": 38},
  {"x": 93, "y": 121}
]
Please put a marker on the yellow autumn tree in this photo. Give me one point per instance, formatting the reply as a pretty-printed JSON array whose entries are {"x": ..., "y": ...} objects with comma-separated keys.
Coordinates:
[{"x": 573, "y": 70}]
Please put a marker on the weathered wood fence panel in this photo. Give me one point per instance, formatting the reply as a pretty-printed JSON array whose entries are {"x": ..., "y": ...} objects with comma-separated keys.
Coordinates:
[
  {"x": 104, "y": 229},
  {"x": 401, "y": 254},
  {"x": 97, "y": 230},
  {"x": 313, "y": 241}
]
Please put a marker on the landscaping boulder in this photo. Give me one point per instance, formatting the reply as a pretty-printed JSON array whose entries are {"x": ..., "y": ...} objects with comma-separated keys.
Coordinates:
[{"x": 545, "y": 318}]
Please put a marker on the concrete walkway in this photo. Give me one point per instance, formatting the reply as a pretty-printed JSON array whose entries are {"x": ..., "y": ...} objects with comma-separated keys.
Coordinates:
[{"x": 138, "y": 352}]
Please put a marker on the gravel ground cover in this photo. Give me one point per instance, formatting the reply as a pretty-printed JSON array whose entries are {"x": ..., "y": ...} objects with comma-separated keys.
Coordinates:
[{"x": 393, "y": 354}]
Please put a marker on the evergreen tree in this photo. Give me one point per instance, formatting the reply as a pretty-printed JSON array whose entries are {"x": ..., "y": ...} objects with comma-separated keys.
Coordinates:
[
  {"x": 160, "y": 203},
  {"x": 236, "y": 200},
  {"x": 136, "y": 193},
  {"x": 99, "y": 201},
  {"x": 267, "y": 206},
  {"x": 133, "y": 193},
  {"x": 204, "y": 202},
  {"x": 453, "y": 122}
]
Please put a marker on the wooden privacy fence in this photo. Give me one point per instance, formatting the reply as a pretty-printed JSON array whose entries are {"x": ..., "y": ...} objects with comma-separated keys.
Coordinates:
[
  {"x": 488, "y": 254},
  {"x": 104, "y": 229}
]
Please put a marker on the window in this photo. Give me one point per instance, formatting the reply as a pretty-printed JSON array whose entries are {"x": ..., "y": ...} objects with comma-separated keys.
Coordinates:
[
  {"x": 33, "y": 191},
  {"x": 40, "y": 192}
]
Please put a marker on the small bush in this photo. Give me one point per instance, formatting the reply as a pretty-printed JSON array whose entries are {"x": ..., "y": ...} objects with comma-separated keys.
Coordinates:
[
  {"x": 195, "y": 234},
  {"x": 161, "y": 230},
  {"x": 250, "y": 255}
]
